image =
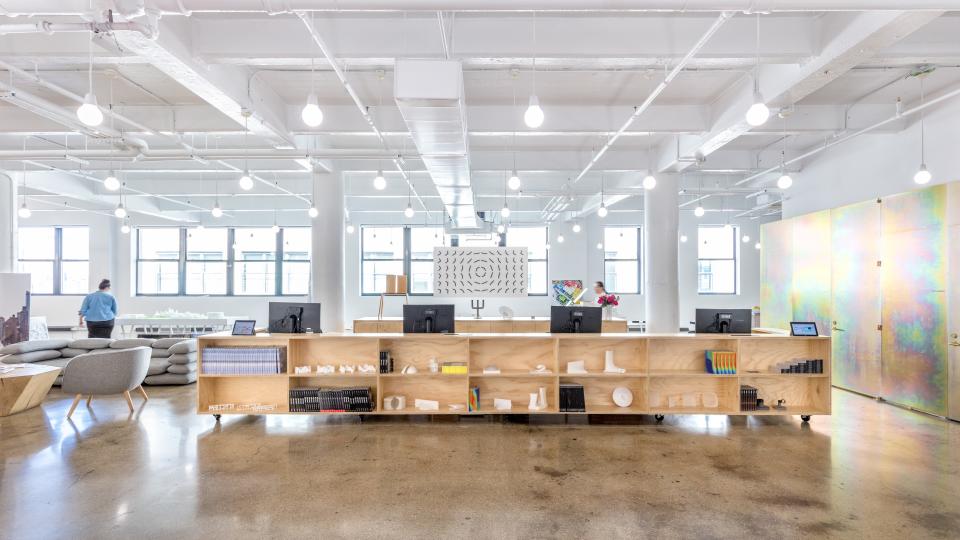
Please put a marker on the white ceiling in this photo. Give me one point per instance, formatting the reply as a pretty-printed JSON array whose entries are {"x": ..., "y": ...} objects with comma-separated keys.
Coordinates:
[{"x": 833, "y": 71}]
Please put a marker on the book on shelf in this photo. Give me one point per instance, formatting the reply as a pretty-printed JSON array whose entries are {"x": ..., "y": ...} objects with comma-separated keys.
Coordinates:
[
  {"x": 243, "y": 360},
  {"x": 721, "y": 362},
  {"x": 748, "y": 398},
  {"x": 572, "y": 398},
  {"x": 352, "y": 399}
]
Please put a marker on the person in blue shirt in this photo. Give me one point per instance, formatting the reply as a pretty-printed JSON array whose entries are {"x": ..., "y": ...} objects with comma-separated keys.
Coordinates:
[{"x": 99, "y": 309}]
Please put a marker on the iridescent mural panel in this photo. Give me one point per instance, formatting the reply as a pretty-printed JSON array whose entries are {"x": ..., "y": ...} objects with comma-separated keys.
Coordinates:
[
  {"x": 811, "y": 269},
  {"x": 856, "y": 297},
  {"x": 914, "y": 355},
  {"x": 776, "y": 274}
]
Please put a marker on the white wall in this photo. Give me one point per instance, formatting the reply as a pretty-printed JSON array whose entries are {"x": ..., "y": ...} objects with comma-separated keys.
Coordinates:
[
  {"x": 579, "y": 258},
  {"x": 875, "y": 165}
]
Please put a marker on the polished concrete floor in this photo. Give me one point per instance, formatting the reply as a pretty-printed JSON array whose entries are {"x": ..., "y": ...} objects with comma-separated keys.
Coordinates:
[{"x": 870, "y": 471}]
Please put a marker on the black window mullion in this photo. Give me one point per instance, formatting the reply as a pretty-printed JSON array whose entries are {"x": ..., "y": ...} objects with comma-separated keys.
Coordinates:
[{"x": 278, "y": 266}]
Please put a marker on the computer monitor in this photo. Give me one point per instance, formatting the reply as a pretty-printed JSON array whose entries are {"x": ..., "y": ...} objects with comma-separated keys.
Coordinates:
[
  {"x": 724, "y": 321},
  {"x": 428, "y": 319},
  {"x": 294, "y": 318},
  {"x": 575, "y": 319}
]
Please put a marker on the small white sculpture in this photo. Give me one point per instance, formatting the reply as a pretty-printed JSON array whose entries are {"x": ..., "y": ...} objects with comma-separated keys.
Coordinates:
[
  {"x": 491, "y": 370},
  {"x": 576, "y": 366},
  {"x": 433, "y": 365},
  {"x": 456, "y": 407},
  {"x": 502, "y": 404},
  {"x": 366, "y": 368},
  {"x": 326, "y": 370},
  {"x": 426, "y": 405},
  {"x": 346, "y": 369},
  {"x": 409, "y": 369},
  {"x": 538, "y": 401},
  {"x": 301, "y": 369},
  {"x": 540, "y": 370},
  {"x": 533, "y": 402},
  {"x": 609, "y": 366}
]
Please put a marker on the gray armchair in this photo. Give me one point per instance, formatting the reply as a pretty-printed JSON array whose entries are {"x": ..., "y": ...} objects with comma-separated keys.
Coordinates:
[{"x": 113, "y": 372}]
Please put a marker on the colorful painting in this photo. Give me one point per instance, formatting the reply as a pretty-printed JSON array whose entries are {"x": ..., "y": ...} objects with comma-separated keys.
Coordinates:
[
  {"x": 776, "y": 274},
  {"x": 856, "y": 297},
  {"x": 566, "y": 291},
  {"x": 914, "y": 355},
  {"x": 811, "y": 270}
]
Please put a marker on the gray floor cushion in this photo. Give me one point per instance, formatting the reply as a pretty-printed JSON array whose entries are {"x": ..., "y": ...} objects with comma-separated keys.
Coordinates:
[
  {"x": 90, "y": 343},
  {"x": 182, "y": 368},
  {"x": 184, "y": 347},
  {"x": 166, "y": 343},
  {"x": 31, "y": 346},
  {"x": 33, "y": 356},
  {"x": 171, "y": 378},
  {"x": 68, "y": 352},
  {"x": 158, "y": 366},
  {"x": 131, "y": 343},
  {"x": 183, "y": 358},
  {"x": 159, "y": 353}
]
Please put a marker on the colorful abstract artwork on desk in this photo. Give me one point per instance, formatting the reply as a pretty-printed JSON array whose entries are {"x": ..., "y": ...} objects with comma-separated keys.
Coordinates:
[
  {"x": 914, "y": 355},
  {"x": 856, "y": 297}
]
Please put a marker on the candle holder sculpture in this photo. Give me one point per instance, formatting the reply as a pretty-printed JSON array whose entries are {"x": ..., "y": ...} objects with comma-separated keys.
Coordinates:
[{"x": 477, "y": 305}]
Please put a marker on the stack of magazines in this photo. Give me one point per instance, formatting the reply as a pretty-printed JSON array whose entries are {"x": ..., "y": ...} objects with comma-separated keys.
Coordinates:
[
  {"x": 354, "y": 399},
  {"x": 748, "y": 398},
  {"x": 243, "y": 360}
]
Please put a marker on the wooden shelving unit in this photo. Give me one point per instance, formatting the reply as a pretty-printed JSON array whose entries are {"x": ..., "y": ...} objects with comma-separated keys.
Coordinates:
[{"x": 660, "y": 370}]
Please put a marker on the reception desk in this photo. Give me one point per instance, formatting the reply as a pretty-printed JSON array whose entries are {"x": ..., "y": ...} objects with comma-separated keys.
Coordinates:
[
  {"x": 484, "y": 325},
  {"x": 665, "y": 373}
]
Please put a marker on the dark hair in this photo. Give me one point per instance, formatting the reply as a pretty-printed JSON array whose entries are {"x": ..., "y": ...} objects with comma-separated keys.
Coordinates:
[
  {"x": 600, "y": 284},
  {"x": 105, "y": 284}
]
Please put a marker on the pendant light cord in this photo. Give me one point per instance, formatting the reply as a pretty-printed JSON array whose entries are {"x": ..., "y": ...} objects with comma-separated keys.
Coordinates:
[
  {"x": 923, "y": 148},
  {"x": 534, "y": 53},
  {"x": 756, "y": 65}
]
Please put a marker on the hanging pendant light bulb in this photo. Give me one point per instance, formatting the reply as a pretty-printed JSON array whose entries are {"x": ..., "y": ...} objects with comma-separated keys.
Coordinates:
[
  {"x": 746, "y": 238},
  {"x": 505, "y": 211},
  {"x": 275, "y": 228},
  {"x": 501, "y": 229},
  {"x": 350, "y": 228},
  {"x": 576, "y": 227},
  {"x": 125, "y": 228},
  {"x": 120, "y": 211},
  {"x": 699, "y": 211},
  {"x": 683, "y": 239},
  {"x": 560, "y": 239},
  {"x": 216, "y": 211},
  {"x": 758, "y": 113},
  {"x": 379, "y": 182},
  {"x": 24, "y": 212},
  {"x": 408, "y": 211},
  {"x": 922, "y": 176},
  {"x": 89, "y": 111},
  {"x": 649, "y": 182},
  {"x": 602, "y": 211},
  {"x": 514, "y": 181},
  {"x": 599, "y": 245},
  {"x": 756, "y": 246},
  {"x": 311, "y": 114},
  {"x": 313, "y": 212},
  {"x": 533, "y": 117},
  {"x": 111, "y": 182},
  {"x": 246, "y": 183},
  {"x": 784, "y": 182}
]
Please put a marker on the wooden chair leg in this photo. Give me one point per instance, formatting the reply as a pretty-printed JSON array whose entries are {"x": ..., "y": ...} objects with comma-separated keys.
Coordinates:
[
  {"x": 143, "y": 393},
  {"x": 126, "y": 396},
  {"x": 73, "y": 406},
  {"x": 89, "y": 399}
]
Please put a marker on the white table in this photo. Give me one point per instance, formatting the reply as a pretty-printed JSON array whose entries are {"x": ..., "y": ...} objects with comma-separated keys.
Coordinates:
[{"x": 170, "y": 326}]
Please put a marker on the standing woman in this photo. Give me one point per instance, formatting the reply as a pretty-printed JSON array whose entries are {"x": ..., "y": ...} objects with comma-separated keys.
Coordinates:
[
  {"x": 99, "y": 309},
  {"x": 600, "y": 290}
]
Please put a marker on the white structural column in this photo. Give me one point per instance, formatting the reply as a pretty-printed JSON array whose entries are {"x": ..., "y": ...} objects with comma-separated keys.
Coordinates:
[
  {"x": 661, "y": 223},
  {"x": 8, "y": 223},
  {"x": 327, "y": 258}
]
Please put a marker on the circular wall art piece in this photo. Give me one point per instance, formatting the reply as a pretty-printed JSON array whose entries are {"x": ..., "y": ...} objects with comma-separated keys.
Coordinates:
[{"x": 622, "y": 396}]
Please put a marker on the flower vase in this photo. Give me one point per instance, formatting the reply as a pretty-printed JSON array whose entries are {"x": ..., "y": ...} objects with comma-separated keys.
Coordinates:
[{"x": 608, "y": 313}]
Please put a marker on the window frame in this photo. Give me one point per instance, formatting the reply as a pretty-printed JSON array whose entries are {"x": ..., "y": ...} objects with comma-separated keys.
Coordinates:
[
  {"x": 58, "y": 260},
  {"x": 638, "y": 259},
  {"x": 734, "y": 235},
  {"x": 546, "y": 259},
  {"x": 231, "y": 260},
  {"x": 454, "y": 242}
]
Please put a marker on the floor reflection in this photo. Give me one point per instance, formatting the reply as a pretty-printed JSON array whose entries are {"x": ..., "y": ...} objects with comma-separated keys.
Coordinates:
[{"x": 165, "y": 471}]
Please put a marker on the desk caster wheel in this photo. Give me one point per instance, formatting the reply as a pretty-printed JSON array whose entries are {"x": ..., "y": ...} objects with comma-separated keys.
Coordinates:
[
  {"x": 216, "y": 417},
  {"x": 658, "y": 418},
  {"x": 805, "y": 417}
]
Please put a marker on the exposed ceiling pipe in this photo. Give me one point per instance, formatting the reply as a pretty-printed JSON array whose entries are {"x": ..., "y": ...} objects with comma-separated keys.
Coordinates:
[
  {"x": 47, "y": 27},
  {"x": 15, "y": 8},
  {"x": 332, "y": 60},
  {"x": 657, "y": 91},
  {"x": 760, "y": 207},
  {"x": 177, "y": 154},
  {"x": 930, "y": 103}
]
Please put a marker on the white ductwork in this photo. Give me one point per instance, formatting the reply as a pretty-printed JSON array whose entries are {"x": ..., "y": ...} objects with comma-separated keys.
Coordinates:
[
  {"x": 136, "y": 150},
  {"x": 47, "y": 27},
  {"x": 429, "y": 94}
]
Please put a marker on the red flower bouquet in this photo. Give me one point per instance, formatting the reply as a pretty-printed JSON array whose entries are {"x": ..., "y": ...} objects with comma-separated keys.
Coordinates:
[{"x": 608, "y": 300}]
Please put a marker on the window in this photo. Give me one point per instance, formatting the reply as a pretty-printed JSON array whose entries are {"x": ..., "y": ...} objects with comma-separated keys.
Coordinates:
[
  {"x": 717, "y": 251},
  {"x": 57, "y": 259},
  {"x": 409, "y": 251},
  {"x": 223, "y": 261},
  {"x": 535, "y": 240},
  {"x": 621, "y": 259}
]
